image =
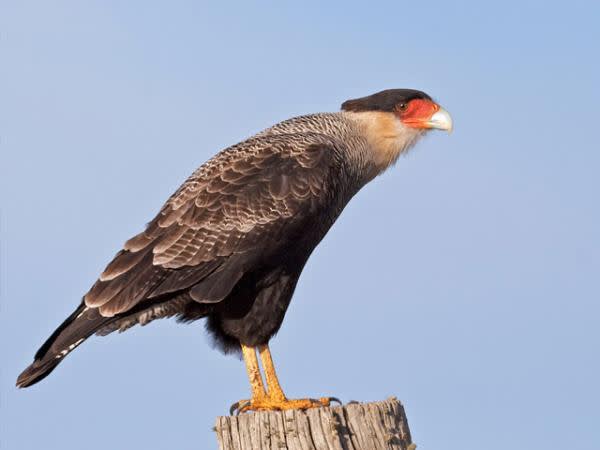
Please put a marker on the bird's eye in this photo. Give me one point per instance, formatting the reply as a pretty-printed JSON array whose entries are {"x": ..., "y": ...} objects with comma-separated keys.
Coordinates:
[{"x": 402, "y": 106}]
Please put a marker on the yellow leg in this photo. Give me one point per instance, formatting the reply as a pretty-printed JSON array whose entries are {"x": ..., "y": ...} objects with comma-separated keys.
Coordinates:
[
  {"x": 273, "y": 386},
  {"x": 273, "y": 398},
  {"x": 256, "y": 382}
]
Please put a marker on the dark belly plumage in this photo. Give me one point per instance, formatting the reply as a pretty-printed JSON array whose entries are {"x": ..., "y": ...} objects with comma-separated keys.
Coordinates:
[{"x": 254, "y": 310}]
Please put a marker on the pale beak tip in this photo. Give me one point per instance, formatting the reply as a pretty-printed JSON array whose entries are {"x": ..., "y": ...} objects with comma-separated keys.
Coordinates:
[{"x": 441, "y": 120}]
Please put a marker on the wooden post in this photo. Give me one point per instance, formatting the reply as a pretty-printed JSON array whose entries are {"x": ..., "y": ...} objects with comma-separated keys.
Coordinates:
[{"x": 355, "y": 426}]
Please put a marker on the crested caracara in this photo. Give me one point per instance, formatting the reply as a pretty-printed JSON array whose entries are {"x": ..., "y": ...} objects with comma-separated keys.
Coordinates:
[{"x": 230, "y": 244}]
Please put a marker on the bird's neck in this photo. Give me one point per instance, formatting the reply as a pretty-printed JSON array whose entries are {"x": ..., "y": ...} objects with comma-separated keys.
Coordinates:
[
  {"x": 386, "y": 136},
  {"x": 373, "y": 140}
]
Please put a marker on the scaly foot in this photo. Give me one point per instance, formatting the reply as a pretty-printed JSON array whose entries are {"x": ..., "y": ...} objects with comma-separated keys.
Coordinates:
[{"x": 271, "y": 404}]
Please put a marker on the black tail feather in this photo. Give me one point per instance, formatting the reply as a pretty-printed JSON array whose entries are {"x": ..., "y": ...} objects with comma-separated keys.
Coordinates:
[
  {"x": 73, "y": 331},
  {"x": 37, "y": 371}
]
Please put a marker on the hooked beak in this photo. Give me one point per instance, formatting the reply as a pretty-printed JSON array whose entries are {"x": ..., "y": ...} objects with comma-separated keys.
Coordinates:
[{"x": 440, "y": 120}]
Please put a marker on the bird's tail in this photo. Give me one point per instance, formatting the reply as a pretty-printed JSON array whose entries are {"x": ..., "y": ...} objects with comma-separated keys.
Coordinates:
[{"x": 73, "y": 331}]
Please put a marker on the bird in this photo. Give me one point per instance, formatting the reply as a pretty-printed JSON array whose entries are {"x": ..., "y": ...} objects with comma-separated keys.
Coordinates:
[{"x": 230, "y": 244}]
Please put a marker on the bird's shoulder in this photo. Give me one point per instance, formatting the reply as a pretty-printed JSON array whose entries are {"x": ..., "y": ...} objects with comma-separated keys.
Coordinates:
[
  {"x": 262, "y": 166},
  {"x": 238, "y": 207},
  {"x": 253, "y": 187}
]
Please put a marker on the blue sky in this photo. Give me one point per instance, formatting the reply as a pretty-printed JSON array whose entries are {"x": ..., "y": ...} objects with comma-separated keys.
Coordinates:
[{"x": 465, "y": 281}]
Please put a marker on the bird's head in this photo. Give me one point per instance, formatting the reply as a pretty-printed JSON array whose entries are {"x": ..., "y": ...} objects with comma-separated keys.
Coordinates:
[{"x": 394, "y": 119}]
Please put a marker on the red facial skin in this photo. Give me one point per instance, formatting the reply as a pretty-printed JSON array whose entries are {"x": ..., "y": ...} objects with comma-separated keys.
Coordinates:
[{"x": 417, "y": 113}]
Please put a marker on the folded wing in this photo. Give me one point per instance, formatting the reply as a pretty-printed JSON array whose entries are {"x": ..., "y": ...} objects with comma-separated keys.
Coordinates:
[{"x": 240, "y": 207}]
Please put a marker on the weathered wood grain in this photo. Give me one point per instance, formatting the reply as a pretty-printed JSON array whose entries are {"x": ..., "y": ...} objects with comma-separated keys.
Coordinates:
[{"x": 355, "y": 426}]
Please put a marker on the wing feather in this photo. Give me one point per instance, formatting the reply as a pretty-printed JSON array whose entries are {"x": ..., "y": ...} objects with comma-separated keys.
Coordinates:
[{"x": 230, "y": 213}]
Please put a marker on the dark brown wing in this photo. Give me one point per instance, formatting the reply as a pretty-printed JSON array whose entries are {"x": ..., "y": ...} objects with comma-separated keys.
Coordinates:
[{"x": 234, "y": 210}]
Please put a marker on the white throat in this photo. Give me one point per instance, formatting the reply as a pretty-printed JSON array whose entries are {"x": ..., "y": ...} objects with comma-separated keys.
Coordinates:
[{"x": 387, "y": 136}]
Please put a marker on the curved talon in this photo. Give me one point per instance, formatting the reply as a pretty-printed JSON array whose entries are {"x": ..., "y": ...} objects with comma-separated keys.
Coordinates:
[
  {"x": 238, "y": 407},
  {"x": 335, "y": 399}
]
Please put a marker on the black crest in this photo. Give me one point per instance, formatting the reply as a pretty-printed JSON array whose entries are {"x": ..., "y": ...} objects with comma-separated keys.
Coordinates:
[{"x": 384, "y": 100}]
